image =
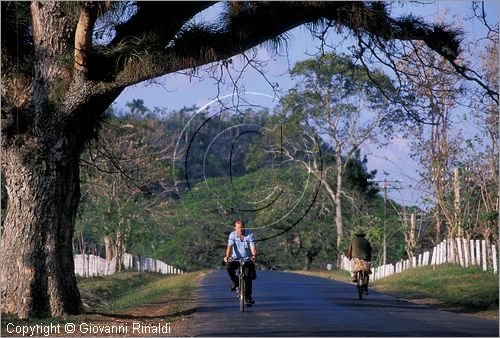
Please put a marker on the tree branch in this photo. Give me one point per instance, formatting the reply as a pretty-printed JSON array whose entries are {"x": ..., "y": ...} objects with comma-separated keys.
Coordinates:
[
  {"x": 196, "y": 46},
  {"x": 83, "y": 36},
  {"x": 161, "y": 19}
]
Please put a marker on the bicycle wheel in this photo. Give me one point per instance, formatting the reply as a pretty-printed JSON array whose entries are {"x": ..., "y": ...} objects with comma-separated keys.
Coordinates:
[
  {"x": 360, "y": 285},
  {"x": 242, "y": 293}
]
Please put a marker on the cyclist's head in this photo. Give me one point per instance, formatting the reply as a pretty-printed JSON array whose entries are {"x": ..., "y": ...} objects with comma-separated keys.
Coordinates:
[{"x": 239, "y": 223}]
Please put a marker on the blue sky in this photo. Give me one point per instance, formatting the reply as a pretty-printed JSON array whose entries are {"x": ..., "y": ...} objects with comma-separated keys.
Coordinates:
[{"x": 176, "y": 91}]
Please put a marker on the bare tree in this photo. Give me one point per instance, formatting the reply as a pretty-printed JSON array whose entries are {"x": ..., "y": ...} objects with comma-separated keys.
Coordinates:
[
  {"x": 336, "y": 101},
  {"x": 435, "y": 88}
]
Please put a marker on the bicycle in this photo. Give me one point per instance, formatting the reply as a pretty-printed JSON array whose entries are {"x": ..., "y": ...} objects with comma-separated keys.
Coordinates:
[
  {"x": 362, "y": 279},
  {"x": 242, "y": 276}
]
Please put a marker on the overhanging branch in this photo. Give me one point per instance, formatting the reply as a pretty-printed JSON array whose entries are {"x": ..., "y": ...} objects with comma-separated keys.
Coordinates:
[{"x": 178, "y": 47}]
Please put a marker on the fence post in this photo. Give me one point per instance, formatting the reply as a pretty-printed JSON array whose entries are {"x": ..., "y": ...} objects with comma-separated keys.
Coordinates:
[
  {"x": 466, "y": 252},
  {"x": 478, "y": 252},
  {"x": 87, "y": 259},
  {"x": 485, "y": 258},
  {"x": 443, "y": 252},
  {"x": 446, "y": 251},
  {"x": 84, "y": 270},
  {"x": 90, "y": 268},
  {"x": 472, "y": 258},
  {"x": 452, "y": 251},
  {"x": 438, "y": 254},
  {"x": 494, "y": 257},
  {"x": 459, "y": 249}
]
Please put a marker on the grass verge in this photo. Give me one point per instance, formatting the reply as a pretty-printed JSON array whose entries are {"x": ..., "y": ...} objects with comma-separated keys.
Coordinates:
[
  {"x": 468, "y": 289},
  {"x": 128, "y": 297},
  {"x": 132, "y": 289}
]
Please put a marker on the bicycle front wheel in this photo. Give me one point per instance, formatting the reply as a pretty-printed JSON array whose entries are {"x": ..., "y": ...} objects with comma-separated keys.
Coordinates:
[{"x": 242, "y": 294}]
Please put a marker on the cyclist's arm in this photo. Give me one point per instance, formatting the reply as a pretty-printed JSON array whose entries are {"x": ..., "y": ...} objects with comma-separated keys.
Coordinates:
[
  {"x": 253, "y": 248},
  {"x": 230, "y": 244},
  {"x": 228, "y": 252}
]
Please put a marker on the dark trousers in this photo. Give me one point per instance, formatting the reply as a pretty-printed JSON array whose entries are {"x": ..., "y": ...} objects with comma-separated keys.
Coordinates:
[{"x": 250, "y": 274}]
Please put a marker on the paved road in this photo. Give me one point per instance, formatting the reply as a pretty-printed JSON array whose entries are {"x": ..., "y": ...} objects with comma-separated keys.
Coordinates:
[{"x": 294, "y": 305}]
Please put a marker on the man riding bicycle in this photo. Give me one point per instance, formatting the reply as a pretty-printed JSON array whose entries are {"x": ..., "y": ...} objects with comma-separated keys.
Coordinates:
[
  {"x": 360, "y": 252},
  {"x": 241, "y": 246}
]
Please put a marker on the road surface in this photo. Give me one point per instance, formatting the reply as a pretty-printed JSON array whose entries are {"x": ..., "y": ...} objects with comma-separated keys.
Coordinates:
[{"x": 288, "y": 304}]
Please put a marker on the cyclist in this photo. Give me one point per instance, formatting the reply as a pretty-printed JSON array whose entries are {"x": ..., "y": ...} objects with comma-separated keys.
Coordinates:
[
  {"x": 360, "y": 253},
  {"x": 241, "y": 245}
]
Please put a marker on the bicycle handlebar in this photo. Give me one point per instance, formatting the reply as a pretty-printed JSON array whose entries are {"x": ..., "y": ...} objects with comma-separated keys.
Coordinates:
[{"x": 232, "y": 259}]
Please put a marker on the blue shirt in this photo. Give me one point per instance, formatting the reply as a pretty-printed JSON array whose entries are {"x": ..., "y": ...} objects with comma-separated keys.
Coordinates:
[{"x": 241, "y": 248}]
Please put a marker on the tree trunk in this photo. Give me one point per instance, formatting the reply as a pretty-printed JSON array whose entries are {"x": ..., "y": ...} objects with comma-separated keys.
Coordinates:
[
  {"x": 338, "y": 211},
  {"x": 307, "y": 260},
  {"x": 118, "y": 250},
  {"x": 108, "y": 247},
  {"x": 42, "y": 181}
]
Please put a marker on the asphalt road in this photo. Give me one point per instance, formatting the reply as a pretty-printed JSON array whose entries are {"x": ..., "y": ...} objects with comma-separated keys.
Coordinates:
[{"x": 288, "y": 304}]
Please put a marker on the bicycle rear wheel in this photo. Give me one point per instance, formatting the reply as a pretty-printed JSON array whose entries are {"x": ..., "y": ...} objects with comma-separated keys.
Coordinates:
[{"x": 360, "y": 285}]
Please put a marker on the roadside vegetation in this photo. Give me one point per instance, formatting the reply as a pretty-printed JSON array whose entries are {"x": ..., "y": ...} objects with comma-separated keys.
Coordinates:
[
  {"x": 129, "y": 296},
  {"x": 134, "y": 289},
  {"x": 449, "y": 287},
  {"x": 470, "y": 289}
]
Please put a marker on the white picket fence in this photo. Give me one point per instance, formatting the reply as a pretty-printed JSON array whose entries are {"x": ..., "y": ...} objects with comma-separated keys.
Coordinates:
[
  {"x": 456, "y": 251},
  {"x": 91, "y": 265}
]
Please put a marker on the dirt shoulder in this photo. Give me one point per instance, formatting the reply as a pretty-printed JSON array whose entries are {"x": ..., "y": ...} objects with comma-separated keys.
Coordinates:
[{"x": 165, "y": 317}]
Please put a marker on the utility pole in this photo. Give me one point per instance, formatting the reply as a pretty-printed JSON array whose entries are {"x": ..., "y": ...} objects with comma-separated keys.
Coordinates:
[
  {"x": 456, "y": 190},
  {"x": 384, "y": 241},
  {"x": 384, "y": 257}
]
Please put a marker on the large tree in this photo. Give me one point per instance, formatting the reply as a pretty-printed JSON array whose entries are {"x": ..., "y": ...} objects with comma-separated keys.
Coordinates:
[{"x": 61, "y": 70}]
